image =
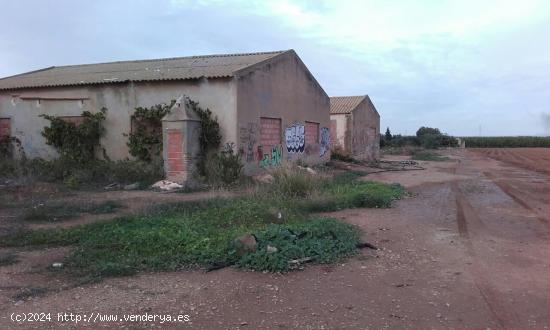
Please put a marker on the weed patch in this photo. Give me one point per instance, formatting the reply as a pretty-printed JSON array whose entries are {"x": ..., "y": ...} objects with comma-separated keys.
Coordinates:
[
  {"x": 63, "y": 211},
  {"x": 201, "y": 233},
  {"x": 321, "y": 240},
  {"x": 428, "y": 156},
  {"x": 30, "y": 292}
]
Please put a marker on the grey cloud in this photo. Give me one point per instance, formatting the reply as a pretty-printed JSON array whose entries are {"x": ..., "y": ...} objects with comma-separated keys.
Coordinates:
[{"x": 439, "y": 80}]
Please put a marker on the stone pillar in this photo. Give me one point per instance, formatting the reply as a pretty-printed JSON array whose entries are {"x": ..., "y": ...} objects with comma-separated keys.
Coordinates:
[{"x": 180, "y": 137}]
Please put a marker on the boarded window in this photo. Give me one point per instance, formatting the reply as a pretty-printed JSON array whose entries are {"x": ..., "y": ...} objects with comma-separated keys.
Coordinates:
[
  {"x": 77, "y": 120},
  {"x": 5, "y": 127},
  {"x": 312, "y": 132},
  {"x": 270, "y": 131}
]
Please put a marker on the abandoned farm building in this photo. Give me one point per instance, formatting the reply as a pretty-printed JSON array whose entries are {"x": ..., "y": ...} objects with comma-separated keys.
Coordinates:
[
  {"x": 355, "y": 126},
  {"x": 268, "y": 105}
]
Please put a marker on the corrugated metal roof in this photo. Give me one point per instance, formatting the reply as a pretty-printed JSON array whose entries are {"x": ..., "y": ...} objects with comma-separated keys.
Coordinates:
[
  {"x": 344, "y": 104},
  {"x": 180, "y": 68}
]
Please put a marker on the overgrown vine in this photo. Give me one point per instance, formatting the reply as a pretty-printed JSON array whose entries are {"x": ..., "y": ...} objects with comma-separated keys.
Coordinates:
[
  {"x": 145, "y": 141},
  {"x": 210, "y": 137},
  {"x": 75, "y": 142}
]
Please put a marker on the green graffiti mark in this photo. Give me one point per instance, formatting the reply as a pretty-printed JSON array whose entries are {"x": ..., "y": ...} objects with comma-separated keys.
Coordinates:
[
  {"x": 273, "y": 159},
  {"x": 276, "y": 155},
  {"x": 266, "y": 161}
]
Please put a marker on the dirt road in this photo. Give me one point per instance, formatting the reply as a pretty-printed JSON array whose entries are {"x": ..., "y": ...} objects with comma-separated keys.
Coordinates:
[{"x": 470, "y": 250}]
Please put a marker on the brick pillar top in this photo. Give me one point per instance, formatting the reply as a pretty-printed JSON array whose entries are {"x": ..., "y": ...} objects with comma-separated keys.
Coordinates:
[
  {"x": 181, "y": 111},
  {"x": 180, "y": 137}
]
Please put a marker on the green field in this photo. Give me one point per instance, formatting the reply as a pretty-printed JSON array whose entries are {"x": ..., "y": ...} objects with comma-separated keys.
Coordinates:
[{"x": 507, "y": 142}]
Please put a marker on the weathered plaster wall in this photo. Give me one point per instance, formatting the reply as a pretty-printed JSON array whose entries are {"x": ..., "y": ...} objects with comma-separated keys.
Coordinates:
[
  {"x": 365, "y": 132},
  {"x": 342, "y": 133},
  {"x": 358, "y": 133},
  {"x": 283, "y": 89},
  {"x": 23, "y": 107}
]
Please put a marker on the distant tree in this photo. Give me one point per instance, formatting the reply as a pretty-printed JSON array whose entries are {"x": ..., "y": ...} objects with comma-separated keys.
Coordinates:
[
  {"x": 427, "y": 131},
  {"x": 388, "y": 135}
]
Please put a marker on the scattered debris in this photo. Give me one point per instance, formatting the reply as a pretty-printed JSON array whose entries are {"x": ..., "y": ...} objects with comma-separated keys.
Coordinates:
[
  {"x": 167, "y": 185},
  {"x": 366, "y": 245},
  {"x": 308, "y": 169},
  {"x": 244, "y": 244},
  {"x": 271, "y": 249},
  {"x": 28, "y": 293},
  {"x": 264, "y": 178},
  {"x": 112, "y": 186},
  {"x": 217, "y": 265},
  {"x": 133, "y": 186},
  {"x": 300, "y": 261},
  {"x": 402, "y": 285},
  {"x": 403, "y": 165}
]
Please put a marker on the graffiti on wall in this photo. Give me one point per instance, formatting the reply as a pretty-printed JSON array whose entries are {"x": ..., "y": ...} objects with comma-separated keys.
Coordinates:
[
  {"x": 247, "y": 136},
  {"x": 274, "y": 158},
  {"x": 295, "y": 138},
  {"x": 324, "y": 141}
]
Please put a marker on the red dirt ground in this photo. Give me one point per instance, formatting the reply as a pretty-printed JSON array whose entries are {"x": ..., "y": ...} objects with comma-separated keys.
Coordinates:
[
  {"x": 469, "y": 250},
  {"x": 535, "y": 159}
]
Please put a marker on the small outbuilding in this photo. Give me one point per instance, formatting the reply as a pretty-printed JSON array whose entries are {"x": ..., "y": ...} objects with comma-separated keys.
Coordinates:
[
  {"x": 355, "y": 126},
  {"x": 268, "y": 105}
]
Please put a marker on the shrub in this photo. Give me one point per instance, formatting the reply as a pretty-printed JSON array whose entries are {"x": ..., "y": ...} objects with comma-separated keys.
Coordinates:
[
  {"x": 76, "y": 143},
  {"x": 223, "y": 168},
  {"x": 427, "y": 137},
  {"x": 422, "y": 131},
  {"x": 145, "y": 141},
  {"x": 337, "y": 153},
  {"x": 210, "y": 136},
  {"x": 292, "y": 182},
  {"x": 321, "y": 240},
  {"x": 94, "y": 173}
]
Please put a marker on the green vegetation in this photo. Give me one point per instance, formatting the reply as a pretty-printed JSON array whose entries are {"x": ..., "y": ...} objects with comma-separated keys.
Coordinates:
[
  {"x": 53, "y": 212},
  {"x": 223, "y": 168},
  {"x": 508, "y": 142},
  {"x": 322, "y": 240},
  {"x": 75, "y": 142},
  {"x": 428, "y": 156},
  {"x": 426, "y": 137},
  {"x": 200, "y": 234},
  {"x": 92, "y": 174},
  {"x": 145, "y": 140},
  {"x": 77, "y": 167},
  {"x": 337, "y": 153}
]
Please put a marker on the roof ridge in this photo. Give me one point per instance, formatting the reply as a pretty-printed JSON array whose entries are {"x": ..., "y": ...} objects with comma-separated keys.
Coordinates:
[
  {"x": 171, "y": 59},
  {"x": 349, "y": 96},
  {"x": 24, "y": 73},
  {"x": 182, "y": 68}
]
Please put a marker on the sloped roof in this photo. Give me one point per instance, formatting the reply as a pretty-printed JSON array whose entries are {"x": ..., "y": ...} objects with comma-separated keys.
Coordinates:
[
  {"x": 179, "y": 68},
  {"x": 344, "y": 104}
]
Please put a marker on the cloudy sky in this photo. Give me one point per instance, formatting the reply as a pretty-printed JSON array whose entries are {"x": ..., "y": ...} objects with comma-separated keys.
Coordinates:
[{"x": 463, "y": 66}]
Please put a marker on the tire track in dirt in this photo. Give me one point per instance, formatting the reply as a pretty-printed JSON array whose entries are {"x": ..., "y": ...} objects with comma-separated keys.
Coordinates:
[
  {"x": 515, "y": 194},
  {"x": 466, "y": 216}
]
